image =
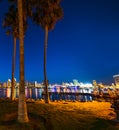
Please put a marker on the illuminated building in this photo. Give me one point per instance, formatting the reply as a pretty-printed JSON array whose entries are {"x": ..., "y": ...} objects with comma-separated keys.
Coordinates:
[
  {"x": 116, "y": 79},
  {"x": 9, "y": 83}
]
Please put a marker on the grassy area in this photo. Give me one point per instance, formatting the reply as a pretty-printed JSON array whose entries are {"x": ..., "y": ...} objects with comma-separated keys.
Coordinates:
[{"x": 59, "y": 116}]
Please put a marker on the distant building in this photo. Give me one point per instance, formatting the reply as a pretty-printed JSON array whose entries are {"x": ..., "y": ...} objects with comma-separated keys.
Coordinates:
[
  {"x": 95, "y": 83},
  {"x": 4, "y": 84},
  {"x": 75, "y": 81},
  {"x": 35, "y": 83},
  {"x": 1, "y": 84},
  {"x": 31, "y": 84},
  {"x": 9, "y": 83},
  {"x": 116, "y": 79}
]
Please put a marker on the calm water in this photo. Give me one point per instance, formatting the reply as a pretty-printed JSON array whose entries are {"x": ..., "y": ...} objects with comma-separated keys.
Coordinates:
[{"x": 37, "y": 93}]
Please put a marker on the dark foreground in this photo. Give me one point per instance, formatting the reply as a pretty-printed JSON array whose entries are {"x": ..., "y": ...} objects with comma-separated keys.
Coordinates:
[{"x": 59, "y": 116}]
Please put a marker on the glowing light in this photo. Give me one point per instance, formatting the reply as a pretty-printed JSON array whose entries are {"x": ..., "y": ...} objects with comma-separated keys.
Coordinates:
[{"x": 88, "y": 85}]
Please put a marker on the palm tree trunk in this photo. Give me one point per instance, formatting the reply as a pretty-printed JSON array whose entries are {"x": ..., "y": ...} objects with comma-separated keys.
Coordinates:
[
  {"x": 45, "y": 73},
  {"x": 22, "y": 107},
  {"x": 13, "y": 69}
]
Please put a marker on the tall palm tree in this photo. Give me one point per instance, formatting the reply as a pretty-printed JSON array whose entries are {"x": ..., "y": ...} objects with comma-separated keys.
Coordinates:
[
  {"x": 47, "y": 13},
  {"x": 24, "y": 10},
  {"x": 11, "y": 23},
  {"x": 22, "y": 107}
]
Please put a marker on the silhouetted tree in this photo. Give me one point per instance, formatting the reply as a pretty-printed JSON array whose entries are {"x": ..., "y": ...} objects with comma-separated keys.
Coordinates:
[
  {"x": 11, "y": 23},
  {"x": 47, "y": 13},
  {"x": 24, "y": 10},
  {"x": 22, "y": 107}
]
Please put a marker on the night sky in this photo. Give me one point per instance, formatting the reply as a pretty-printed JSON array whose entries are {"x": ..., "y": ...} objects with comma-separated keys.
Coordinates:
[{"x": 84, "y": 45}]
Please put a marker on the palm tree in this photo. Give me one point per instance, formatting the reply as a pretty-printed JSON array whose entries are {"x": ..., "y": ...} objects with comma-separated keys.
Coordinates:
[
  {"x": 47, "y": 13},
  {"x": 11, "y": 22},
  {"x": 24, "y": 10},
  {"x": 22, "y": 107},
  {"x": 27, "y": 7}
]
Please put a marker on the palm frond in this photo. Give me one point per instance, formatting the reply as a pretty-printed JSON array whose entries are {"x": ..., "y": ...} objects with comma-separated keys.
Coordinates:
[{"x": 47, "y": 12}]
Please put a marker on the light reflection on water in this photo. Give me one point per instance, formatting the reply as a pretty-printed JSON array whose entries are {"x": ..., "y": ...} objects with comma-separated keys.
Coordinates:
[{"x": 37, "y": 93}]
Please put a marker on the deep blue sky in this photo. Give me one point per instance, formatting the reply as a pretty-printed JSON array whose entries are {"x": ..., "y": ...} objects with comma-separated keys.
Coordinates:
[{"x": 84, "y": 45}]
